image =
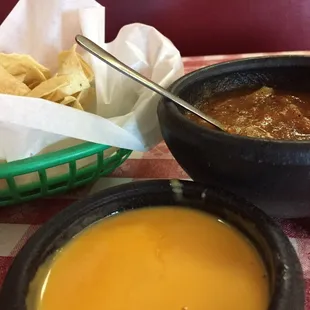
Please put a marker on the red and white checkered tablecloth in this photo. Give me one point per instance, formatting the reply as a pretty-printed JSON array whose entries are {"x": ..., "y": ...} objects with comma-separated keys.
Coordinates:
[{"x": 18, "y": 223}]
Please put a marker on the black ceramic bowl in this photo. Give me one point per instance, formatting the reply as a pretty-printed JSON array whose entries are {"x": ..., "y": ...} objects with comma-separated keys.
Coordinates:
[
  {"x": 286, "y": 281},
  {"x": 275, "y": 175}
]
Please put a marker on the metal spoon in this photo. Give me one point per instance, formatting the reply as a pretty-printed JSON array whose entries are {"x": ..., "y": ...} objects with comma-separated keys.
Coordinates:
[{"x": 103, "y": 55}]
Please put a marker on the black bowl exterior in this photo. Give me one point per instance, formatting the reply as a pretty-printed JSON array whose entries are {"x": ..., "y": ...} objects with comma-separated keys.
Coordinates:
[
  {"x": 285, "y": 275},
  {"x": 274, "y": 175}
]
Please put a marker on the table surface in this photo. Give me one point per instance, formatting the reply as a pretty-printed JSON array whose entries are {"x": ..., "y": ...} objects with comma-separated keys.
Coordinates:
[{"x": 18, "y": 223}]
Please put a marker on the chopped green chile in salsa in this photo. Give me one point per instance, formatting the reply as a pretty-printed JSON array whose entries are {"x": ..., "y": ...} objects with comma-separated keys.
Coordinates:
[{"x": 265, "y": 113}]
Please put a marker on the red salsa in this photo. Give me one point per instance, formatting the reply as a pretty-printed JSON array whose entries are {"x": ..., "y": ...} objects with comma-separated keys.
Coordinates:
[{"x": 265, "y": 113}]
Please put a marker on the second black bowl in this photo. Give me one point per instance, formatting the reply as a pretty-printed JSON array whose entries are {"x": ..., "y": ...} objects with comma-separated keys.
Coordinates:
[
  {"x": 283, "y": 267},
  {"x": 275, "y": 175}
]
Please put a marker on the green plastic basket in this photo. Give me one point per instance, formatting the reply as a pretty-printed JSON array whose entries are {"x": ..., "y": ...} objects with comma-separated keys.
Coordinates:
[{"x": 103, "y": 162}]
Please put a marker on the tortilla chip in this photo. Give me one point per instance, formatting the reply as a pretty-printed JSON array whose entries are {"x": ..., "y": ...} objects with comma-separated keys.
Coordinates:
[
  {"x": 24, "y": 68},
  {"x": 72, "y": 102},
  {"x": 21, "y": 75},
  {"x": 76, "y": 105},
  {"x": 70, "y": 62},
  {"x": 86, "y": 96},
  {"x": 34, "y": 84},
  {"x": 60, "y": 86},
  {"x": 86, "y": 68},
  {"x": 11, "y": 85},
  {"x": 67, "y": 100}
]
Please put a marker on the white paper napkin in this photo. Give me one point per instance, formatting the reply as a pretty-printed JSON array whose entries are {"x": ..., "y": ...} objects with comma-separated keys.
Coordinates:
[{"x": 126, "y": 112}]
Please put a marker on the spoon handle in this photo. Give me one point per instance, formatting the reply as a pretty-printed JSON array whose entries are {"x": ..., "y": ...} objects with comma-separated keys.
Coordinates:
[{"x": 106, "y": 57}]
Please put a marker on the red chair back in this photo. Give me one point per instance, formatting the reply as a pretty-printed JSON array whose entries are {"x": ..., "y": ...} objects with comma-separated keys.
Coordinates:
[{"x": 201, "y": 27}]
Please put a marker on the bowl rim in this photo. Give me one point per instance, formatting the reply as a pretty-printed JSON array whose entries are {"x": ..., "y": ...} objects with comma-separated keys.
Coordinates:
[
  {"x": 269, "y": 230},
  {"x": 229, "y": 67}
]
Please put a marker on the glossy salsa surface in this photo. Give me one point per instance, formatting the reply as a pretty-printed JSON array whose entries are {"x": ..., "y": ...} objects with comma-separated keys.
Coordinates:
[
  {"x": 264, "y": 113},
  {"x": 167, "y": 258}
]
